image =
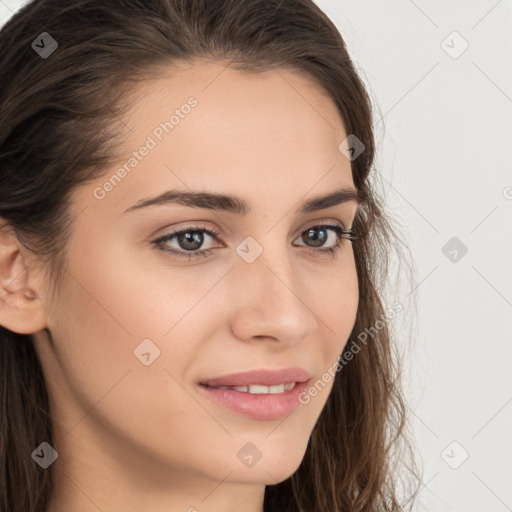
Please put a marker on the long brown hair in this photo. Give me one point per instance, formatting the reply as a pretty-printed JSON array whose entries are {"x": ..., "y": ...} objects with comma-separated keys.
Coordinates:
[{"x": 60, "y": 126}]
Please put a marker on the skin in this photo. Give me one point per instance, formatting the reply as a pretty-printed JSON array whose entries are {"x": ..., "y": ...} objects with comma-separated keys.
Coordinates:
[{"x": 132, "y": 437}]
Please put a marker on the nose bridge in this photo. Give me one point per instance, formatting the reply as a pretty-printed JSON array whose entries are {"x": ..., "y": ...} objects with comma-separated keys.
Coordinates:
[{"x": 269, "y": 301}]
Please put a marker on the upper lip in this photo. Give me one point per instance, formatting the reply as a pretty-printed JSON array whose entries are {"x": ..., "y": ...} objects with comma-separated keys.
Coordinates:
[{"x": 263, "y": 377}]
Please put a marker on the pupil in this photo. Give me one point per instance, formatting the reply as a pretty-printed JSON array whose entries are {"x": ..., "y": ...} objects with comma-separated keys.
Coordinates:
[
  {"x": 190, "y": 240},
  {"x": 317, "y": 239}
]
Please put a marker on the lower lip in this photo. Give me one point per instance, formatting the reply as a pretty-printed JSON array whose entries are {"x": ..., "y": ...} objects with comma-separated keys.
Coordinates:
[{"x": 271, "y": 406}]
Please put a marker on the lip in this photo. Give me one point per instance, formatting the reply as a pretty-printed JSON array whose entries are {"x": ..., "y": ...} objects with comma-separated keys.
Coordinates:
[
  {"x": 263, "y": 377},
  {"x": 257, "y": 406}
]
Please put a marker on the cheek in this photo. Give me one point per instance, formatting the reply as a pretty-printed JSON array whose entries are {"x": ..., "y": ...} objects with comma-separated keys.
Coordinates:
[
  {"x": 101, "y": 322},
  {"x": 337, "y": 305}
]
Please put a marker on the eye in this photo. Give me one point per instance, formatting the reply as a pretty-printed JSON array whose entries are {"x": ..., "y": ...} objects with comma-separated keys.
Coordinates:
[
  {"x": 189, "y": 240},
  {"x": 333, "y": 234}
]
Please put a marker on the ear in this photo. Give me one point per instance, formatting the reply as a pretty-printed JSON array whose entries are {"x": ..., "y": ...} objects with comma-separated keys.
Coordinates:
[{"x": 21, "y": 309}]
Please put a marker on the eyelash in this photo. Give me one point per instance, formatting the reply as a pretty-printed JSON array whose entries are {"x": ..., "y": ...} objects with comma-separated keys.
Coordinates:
[{"x": 341, "y": 233}]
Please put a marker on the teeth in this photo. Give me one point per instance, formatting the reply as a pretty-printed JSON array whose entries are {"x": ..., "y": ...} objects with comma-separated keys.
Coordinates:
[{"x": 257, "y": 389}]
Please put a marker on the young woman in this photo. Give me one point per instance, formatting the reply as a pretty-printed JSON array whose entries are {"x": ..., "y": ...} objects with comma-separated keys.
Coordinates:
[{"x": 190, "y": 258}]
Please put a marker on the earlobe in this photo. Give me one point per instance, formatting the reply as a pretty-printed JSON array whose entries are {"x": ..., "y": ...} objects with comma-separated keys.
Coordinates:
[{"x": 21, "y": 309}]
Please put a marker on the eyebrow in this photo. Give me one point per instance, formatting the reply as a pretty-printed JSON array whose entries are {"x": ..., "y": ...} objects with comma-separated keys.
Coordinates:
[{"x": 239, "y": 206}]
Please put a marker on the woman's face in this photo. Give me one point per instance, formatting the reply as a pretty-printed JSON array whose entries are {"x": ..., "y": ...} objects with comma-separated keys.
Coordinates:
[{"x": 137, "y": 328}]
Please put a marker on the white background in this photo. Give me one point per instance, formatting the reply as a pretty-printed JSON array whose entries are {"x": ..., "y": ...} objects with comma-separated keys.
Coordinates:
[{"x": 444, "y": 133}]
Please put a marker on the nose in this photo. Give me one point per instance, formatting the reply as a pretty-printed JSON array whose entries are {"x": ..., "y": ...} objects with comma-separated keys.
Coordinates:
[{"x": 271, "y": 301}]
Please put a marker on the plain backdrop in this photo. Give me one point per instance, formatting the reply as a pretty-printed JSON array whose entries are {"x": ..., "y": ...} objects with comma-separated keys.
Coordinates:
[{"x": 440, "y": 75}]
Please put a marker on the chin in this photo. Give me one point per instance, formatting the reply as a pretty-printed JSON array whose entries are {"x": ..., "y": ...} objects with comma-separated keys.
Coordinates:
[{"x": 272, "y": 470}]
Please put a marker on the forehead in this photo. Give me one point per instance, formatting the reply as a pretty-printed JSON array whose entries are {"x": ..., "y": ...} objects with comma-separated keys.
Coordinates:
[{"x": 235, "y": 103}]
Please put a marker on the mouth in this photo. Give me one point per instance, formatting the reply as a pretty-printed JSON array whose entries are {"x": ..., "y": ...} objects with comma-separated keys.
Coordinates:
[
  {"x": 259, "y": 394},
  {"x": 258, "y": 389}
]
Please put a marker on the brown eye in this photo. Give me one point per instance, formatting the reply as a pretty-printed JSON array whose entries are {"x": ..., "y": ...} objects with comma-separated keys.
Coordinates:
[
  {"x": 316, "y": 236},
  {"x": 189, "y": 241},
  {"x": 319, "y": 236}
]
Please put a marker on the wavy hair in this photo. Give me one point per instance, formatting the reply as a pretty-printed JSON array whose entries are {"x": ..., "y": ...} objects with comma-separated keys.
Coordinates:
[{"x": 61, "y": 126}]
